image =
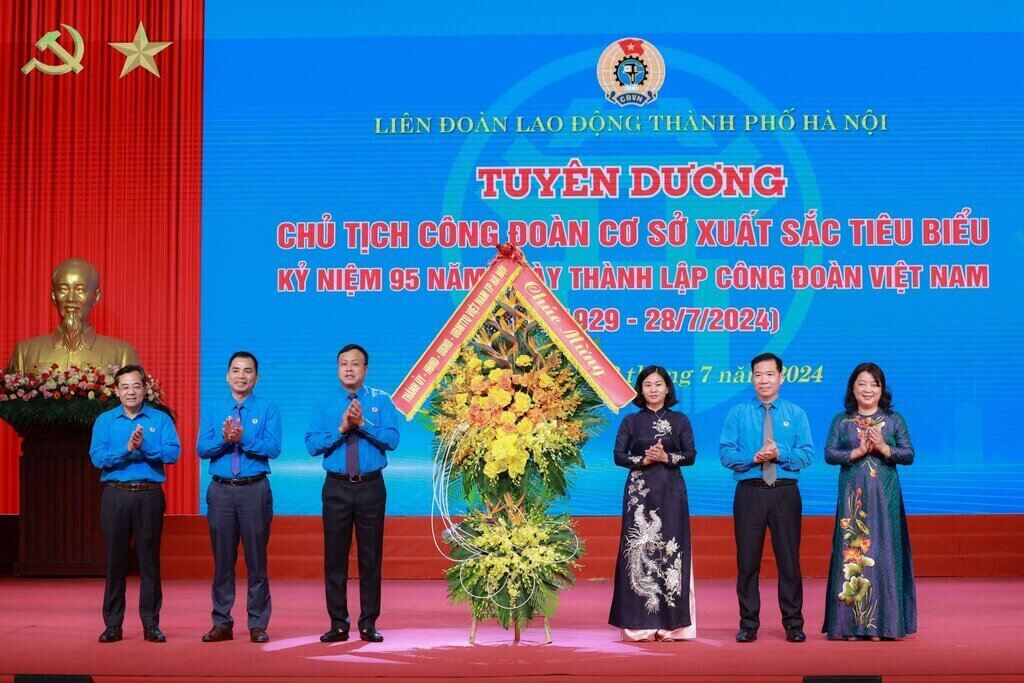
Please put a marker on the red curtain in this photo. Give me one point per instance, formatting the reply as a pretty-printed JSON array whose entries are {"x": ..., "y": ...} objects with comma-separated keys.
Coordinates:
[{"x": 107, "y": 169}]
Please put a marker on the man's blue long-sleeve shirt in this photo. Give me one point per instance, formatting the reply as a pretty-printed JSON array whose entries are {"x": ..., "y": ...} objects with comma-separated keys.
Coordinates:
[
  {"x": 109, "y": 447},
  {"x": 260, "y": 442},
  {"x": 378, "y": 434},
  {"x": 743, "y": 436}
]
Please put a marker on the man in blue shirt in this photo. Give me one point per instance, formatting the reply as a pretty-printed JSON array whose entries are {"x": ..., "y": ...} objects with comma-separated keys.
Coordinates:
[
  {"x": 766, "y": 442},
  {"x": 239, "y": 434},
  {"x": 353, "y": 429},
  {"x": 130, "y": 446}
]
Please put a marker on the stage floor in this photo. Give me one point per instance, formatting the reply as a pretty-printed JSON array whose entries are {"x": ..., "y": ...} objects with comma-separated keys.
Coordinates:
[{"x": 969, "y": 630}]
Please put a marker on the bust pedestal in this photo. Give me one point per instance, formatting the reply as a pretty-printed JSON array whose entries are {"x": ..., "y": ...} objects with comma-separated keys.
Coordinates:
[{"x": 59, "y": 525}]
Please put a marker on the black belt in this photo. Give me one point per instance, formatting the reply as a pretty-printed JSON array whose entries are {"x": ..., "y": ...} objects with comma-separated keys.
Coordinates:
[
  {"x": 243, "y": 481},
  {"x": 134, "y": 485},
  {"x": 762, "y": 484},
  {"x": 355, "y": 478}
]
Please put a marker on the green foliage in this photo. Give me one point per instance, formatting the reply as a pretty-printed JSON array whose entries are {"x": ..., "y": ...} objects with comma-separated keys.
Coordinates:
[{"x": 44, "y": 412}]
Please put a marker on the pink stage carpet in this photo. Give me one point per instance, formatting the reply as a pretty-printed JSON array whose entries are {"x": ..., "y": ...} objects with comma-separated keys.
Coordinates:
[{"x": 969, "y": 631}]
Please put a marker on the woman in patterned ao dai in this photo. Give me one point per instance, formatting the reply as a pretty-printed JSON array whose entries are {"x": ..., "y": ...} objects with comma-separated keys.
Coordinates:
[
  {"x": 653, "y": 597},
  {"x": 871, "y": 593}
]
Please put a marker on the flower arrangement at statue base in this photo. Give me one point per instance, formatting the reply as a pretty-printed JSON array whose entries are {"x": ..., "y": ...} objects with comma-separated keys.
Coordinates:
[
  {"x": 72, "y": 397},
  {"x": 510, "y": 418}
]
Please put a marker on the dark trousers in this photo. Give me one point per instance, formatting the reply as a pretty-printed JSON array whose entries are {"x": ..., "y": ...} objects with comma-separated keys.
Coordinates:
[
  {"x": 124, "y": 514},
  {"x": 240, "y": 513},
  {"x": 358, "y": 504},
  {"x": 777, "y": 509}
]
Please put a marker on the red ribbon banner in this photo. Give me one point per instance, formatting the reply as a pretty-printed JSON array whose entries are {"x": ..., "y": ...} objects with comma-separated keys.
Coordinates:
[{"x": 510, "y": 267}]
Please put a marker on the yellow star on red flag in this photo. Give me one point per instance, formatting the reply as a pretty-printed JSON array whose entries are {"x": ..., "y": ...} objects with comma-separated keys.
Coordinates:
[
  {"x": 632, "y": 46},
  {"x": 140, "y": 52}
]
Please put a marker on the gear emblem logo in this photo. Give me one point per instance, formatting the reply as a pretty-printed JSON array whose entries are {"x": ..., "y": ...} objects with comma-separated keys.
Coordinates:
[{"x": 631, "y": 71}]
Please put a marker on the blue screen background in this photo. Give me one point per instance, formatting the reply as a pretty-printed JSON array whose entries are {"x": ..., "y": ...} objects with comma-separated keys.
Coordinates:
[{"x": 291, "y": 95}]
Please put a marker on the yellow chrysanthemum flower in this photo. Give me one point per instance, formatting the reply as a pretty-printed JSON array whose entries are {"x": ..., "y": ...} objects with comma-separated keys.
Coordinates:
[
  {"x": 523, "y": 402},
  {"x": 500, "y": 397}
]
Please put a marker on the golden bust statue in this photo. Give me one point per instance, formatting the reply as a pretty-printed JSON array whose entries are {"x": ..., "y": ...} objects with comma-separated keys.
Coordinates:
[{"x": 75, "y": 289}]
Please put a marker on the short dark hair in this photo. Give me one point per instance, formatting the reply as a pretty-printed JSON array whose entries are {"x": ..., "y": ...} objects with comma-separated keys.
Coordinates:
[
  {"x": 245, "y": 354},
  {"x": 884, "y": 401},
  {"x": 355, "y": 347},
  {"x": 766, "y": 356},
  {"x": 127, "y": 370},
  {"x": 670, "y": 395}
]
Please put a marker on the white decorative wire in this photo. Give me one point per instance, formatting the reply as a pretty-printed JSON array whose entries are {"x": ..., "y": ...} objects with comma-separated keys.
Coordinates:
[
  {"x": 440, "y": 479},
  {"x": 575, "y": 551}
]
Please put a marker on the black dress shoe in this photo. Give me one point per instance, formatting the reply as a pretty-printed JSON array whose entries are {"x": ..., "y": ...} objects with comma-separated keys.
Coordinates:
[
  {"x": 153, "y": 634},
  {"x": 217, "y": 634},
  {"x": 746, "y": 636},
  {"x": 795, "y": 635},
  {"x": 111, "y": 635},
  {"x": 258, "y": 635},
  {"x": 335, "y": 635},
  {"x": 370, "y": 635}
]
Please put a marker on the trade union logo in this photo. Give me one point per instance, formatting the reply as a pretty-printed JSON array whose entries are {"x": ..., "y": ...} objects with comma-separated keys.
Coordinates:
[{"x": 631, "y": 71}]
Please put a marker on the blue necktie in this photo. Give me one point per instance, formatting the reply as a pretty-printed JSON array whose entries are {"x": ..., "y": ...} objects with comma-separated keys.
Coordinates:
[
  {"x": 236, "y": 451},
  {"x": 352, "y": 449}
]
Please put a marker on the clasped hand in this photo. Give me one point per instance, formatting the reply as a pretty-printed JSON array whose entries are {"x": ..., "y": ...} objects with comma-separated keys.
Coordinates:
[
  {"x": 353, "y": 417},
  {"x": 871, "y": 440},
  {"x": 135, "y": 440},
  {"x": 655, "y": 453},
  {"x": 768, "y": 453},
  {"x": 232, "y": 430}
]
